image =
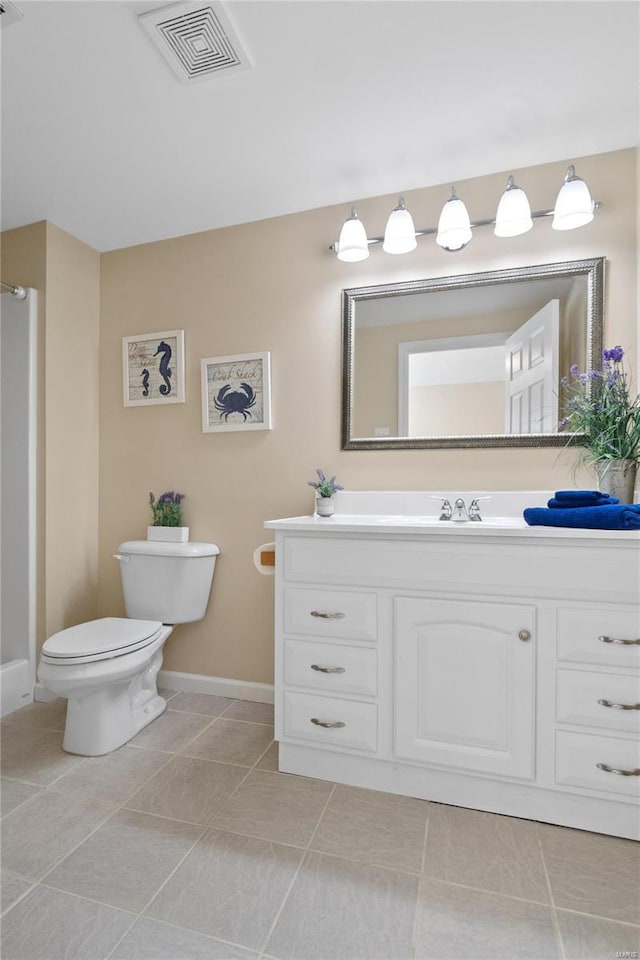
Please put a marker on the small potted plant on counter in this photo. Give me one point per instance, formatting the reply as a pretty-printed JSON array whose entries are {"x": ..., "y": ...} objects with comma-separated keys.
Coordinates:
[
  {"x": 599, "y": 407},
  {"x": 325, "y": 488},
  {"x": 167, "y": 518}
]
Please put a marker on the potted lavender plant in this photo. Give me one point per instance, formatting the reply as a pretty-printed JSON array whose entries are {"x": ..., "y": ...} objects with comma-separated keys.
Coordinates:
[
  {"x": 325, "y": 488},
  {"x": 600, "y": 409},
  {"x": 167, "y": 518}
]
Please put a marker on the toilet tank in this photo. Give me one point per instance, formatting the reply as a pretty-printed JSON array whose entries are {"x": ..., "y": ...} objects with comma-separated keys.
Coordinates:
[{"x": 170, "y": 582}]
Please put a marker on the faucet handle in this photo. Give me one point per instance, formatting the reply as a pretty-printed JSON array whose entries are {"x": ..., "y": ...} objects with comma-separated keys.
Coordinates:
[
  {"x": 446, "y": 509},
  {"x": 474, "y": 508}
]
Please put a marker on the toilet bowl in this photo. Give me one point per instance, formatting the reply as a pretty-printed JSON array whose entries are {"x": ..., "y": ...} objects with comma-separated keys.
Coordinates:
[{"x": 107, "y": 669}]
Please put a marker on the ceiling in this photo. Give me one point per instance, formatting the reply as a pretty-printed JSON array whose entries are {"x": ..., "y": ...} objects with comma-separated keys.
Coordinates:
[{"x": 345, "y": 100}]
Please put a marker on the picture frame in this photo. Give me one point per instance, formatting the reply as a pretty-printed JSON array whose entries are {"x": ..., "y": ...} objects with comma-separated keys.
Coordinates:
[
  {"x": 153, "y": 368},
  {"x": 236, "y": 392}
]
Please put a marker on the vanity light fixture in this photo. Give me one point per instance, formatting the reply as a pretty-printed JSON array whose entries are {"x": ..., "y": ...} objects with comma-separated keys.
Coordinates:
[
  {"x": 352, "y": 244},
  {"x": 574, "y": 208},
  {"x": 400, "y": 232},
  {"x": 454, "y": 226},
  {"x": 514, "y": 213}
]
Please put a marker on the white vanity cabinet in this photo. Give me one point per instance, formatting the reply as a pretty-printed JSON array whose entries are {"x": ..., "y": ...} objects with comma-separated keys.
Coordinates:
[{"x": 490, "y": 667}]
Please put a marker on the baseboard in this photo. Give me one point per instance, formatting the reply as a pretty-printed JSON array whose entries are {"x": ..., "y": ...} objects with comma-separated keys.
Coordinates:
[
  {"x": 219, "y": 686},
  {"x": 42, "y": 695}
]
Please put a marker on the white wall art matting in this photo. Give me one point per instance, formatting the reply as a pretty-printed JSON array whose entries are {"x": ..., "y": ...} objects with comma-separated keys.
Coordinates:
[
  {"x": 236, "y": 393},
  {"x": 153, "y": 368}
]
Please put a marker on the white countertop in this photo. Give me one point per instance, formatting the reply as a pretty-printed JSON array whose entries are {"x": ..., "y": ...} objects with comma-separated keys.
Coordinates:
[
  {"x": 402, "y": 512},
  {"x": 430, "y": 526}
]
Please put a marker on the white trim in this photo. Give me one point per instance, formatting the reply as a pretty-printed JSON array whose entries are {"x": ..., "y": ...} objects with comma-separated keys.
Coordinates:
[{"x": 218, "y": 686}]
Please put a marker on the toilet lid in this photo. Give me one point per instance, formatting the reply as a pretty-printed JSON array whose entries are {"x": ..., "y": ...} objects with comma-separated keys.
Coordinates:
[{"x": 111, "y": 635}]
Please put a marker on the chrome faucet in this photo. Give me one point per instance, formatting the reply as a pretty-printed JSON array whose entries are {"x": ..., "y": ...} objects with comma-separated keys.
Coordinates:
[
  {"x": 474, "y": 511},
  {"x": 460, "y": 514}
]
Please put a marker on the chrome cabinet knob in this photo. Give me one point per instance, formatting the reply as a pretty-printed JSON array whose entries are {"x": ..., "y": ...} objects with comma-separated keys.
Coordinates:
[{"x": 524, "y": 635}]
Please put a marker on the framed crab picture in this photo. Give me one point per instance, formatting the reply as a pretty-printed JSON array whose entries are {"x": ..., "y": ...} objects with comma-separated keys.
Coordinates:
[
  {"x": 236, "y": 393},
  {"x": 153, "y": 368}
]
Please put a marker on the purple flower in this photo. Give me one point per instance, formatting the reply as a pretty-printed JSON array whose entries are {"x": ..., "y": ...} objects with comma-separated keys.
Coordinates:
[
  {"x": 321, "y": 475},
  {"x": 615, "y": 354},
  {"x": 573, "y": 370},
  {"x": 152, "y": 499}
]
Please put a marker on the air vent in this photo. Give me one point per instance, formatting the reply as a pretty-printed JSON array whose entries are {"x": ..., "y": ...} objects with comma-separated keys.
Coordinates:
[
  {"x": 9, "y": 14},
  {"x": 197, "y": 40}
]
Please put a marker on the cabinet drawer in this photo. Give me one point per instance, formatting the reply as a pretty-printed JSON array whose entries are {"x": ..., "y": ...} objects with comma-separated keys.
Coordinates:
[
  {"x": 330, "y": 613},
  {"x": 578, "y": 693},
  {"x": 580, "y": 629},
  {"x": 331, "y": 667},
  {"x": 577, "y": 756},
  {"x": 359, "y": 730}
]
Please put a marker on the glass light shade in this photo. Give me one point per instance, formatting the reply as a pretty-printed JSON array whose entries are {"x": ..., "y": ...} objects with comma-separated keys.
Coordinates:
[
  {"x": 574, "y": 206},
  {"x": 514, "y": 213},
  {"x": 400, "y": 232},
  {"x": 454, "y": 226},
  {"x": 352, "y": 242}
]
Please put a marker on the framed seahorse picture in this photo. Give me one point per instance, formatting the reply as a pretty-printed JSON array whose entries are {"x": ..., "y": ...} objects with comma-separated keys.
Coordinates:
[
  {"x": 236, "y": 393},
  {"x": 153, "y": 368}
]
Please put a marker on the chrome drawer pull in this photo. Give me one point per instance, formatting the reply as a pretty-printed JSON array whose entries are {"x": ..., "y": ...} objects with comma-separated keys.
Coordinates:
[
  {"x": 333, "y": 724},
  {"x": 621, "y": 773},
  {"x": 619, "y": 706},
  {"x": 627, "y": 643},
  {"x": 328, "y": 616},
  {"x": 314, "y": 666}
]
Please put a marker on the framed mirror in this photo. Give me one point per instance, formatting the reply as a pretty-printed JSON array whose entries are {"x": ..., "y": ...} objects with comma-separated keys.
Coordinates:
[{"x": 468, "y": 361}]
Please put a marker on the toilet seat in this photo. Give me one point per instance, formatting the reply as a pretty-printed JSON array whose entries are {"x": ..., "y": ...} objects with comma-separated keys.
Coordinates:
[{"x": 100, "y": 640}]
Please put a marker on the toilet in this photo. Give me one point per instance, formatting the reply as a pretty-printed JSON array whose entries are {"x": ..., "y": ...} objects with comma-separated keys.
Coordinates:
[{"x": 107, "y": 669}]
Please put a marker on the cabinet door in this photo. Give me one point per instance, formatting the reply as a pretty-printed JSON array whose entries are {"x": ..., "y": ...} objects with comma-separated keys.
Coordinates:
[{"x": 465, "y": 676}]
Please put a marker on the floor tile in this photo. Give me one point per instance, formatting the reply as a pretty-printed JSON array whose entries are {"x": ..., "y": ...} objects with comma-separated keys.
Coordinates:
[
  {"x": 345, "y": 911},
  {"x": 34, "y": 754},
  {"x": 231, "y": 741},
  {"x": 125, "y": 862},
  {"x": 46, "y": 828},
  {"x": 12, "y": 888},
  {"x": 167, "y": 693},
  {"x": 373, "y": 827},
  {"x": 487, "y": 851},
  {"x": 51, "y": 715},
  {"x": 251, "y": 711},
  {"x": 587, "y": 938},
  {"x": 49, "y": 925},
  {"x": 592, "y": 873},
  {"x": 114, "y": 777},
  {"x": 269, "y": 761},
  {"x": 13, "y": 793},
  {"x": 188, "y": 789},
  {"x": 204, "y": 703},
  {"x": 152, "y": 940},
  {"x": 274, "y": 806},
  {"x": 455, "y": 923},
  {"x": 230, "y": 887},
  {"x": 171, "y": 731}
]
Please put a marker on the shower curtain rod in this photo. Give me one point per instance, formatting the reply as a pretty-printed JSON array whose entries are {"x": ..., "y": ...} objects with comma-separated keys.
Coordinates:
[{"x": 16, "y": 291}]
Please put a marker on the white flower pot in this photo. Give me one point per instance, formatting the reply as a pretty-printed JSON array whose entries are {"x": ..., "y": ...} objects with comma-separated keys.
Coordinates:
[
  {"x": 171, "y": 534},
  {"x": 325, "y": 506}
]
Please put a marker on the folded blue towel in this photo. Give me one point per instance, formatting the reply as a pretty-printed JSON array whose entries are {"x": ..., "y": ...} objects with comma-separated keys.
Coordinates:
[
  {"x": 620, "y": 516},
  {"x": 604, "y": 501},
  {"x": 585, "y": 497}
]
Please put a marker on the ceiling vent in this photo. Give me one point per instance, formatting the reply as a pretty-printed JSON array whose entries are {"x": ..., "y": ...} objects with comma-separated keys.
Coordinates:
[
  {"x": 196, "y": 39},
  {"x": 9, "y": 14}
]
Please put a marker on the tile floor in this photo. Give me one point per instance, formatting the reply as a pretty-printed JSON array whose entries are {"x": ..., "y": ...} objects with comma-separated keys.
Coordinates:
[{"x": 187, "y": 844}]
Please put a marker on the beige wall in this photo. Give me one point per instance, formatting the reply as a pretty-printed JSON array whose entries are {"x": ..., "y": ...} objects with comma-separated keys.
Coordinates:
[
  {"x": 452, "y": 409},
  {"x": 375, "y": 394},
  {"x": 273, "y": 286},
  {"x": 66, "y": 274}
]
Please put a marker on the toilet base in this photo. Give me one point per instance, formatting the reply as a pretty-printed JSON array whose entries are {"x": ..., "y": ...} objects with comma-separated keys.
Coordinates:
[
  {"x": 109, "y": 701},
  {"x": 103, "y": 721}
]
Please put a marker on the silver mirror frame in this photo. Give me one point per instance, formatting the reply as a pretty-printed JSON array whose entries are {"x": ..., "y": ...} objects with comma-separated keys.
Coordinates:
[{"x": 594, "y": 271}]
